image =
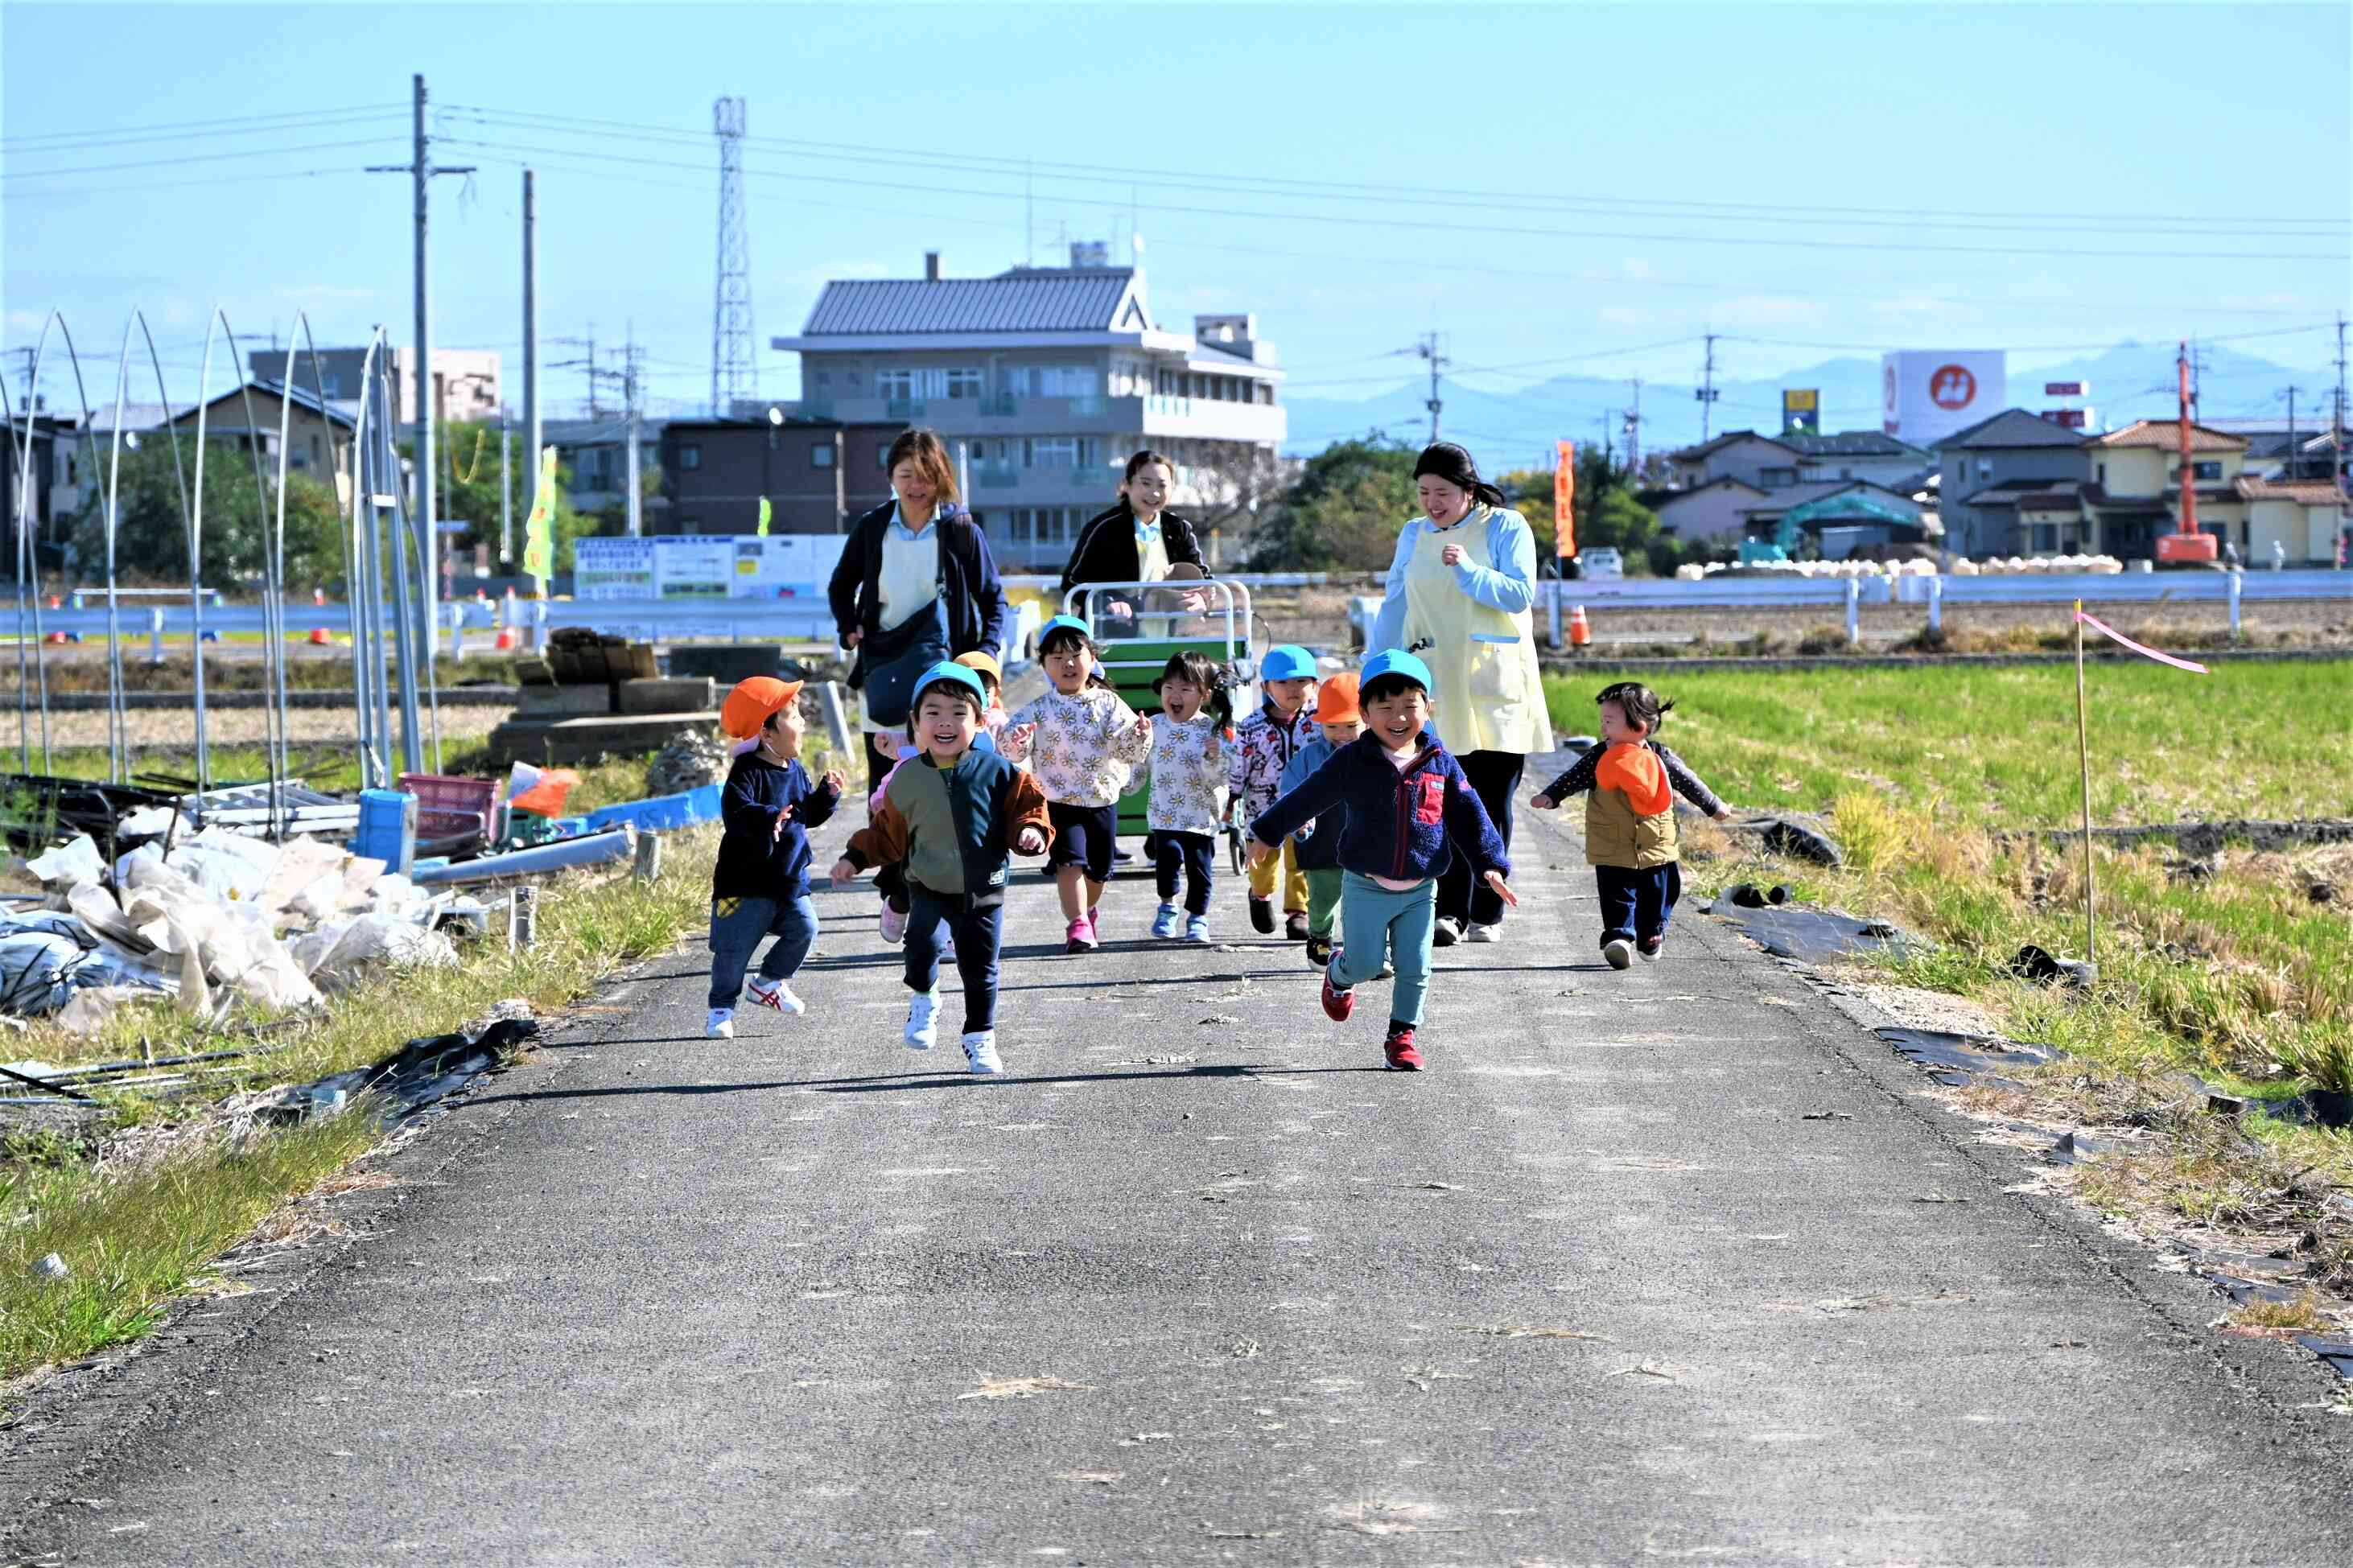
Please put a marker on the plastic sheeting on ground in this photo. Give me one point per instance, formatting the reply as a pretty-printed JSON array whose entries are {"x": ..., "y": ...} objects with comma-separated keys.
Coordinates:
[{"x": 414, "y": 1078}]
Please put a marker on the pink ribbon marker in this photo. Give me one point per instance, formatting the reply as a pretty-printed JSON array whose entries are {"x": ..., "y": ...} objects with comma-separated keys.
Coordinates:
[{"x": 2114, "y": 635}]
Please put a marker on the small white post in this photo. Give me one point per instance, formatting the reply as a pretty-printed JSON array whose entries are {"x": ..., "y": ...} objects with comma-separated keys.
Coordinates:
[
  {"x": 1936, "y": 606},
  {"x": 155, "y": 636},
  {"x": 457, "y": 629},
  {"x": 2238, "y": 581},
  {"x": 1854, "y": 611}
]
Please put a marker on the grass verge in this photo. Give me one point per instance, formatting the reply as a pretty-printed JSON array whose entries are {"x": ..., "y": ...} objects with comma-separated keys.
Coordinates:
[
  {"x": 139, "y": 1202},
  {"x": 2232, "y": 967}
]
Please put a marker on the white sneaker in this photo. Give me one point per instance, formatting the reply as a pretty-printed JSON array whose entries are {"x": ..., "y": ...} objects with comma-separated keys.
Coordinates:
[
  {"x": 1618, "y": 951},
  {"x": 779, "y": 995},
  {"x": 923, "y": 1021},
  {"x": 980, "y": 1052},
  {"x": 1478, "y": 933},
  {"x": 720, "y": 1024}
]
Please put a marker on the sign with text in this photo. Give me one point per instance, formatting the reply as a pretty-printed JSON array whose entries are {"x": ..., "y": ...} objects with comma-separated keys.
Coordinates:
[
  {"x": 606, "y": 570},
  {"x": 1802, "y": 409},
  {"x": 1929, "y": 394}
]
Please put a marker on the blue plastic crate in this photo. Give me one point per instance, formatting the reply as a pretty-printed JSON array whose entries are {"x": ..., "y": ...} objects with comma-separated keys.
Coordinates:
[{"x": 387, "y": 828}]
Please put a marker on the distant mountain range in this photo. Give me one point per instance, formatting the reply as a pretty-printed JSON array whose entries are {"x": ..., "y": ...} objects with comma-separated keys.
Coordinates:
[{"x": 1507, "y": 431}]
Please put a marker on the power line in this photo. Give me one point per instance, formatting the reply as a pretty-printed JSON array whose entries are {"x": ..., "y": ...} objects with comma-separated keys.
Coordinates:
[
  {"x": 321, "y": 122},
  {"x": 376, "y": 142},
  {"x": 1513, "y": 229},
  {"x": 79, "y": 190},
  {"x": 1424, "y": 196},
  {"x": 194, "y": 126}
]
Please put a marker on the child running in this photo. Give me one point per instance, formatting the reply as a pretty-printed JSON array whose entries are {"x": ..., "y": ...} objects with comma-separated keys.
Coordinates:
[
  {"x": 1086, "y": 741},
  {"x": 1629, "y": 820},
  {"x": 1338, "y": 721},
  {"x": 1189, "y": 786},
  {"x": 951, "y": 815},
  {"x": 760, "y": 885},
  {"x": 1263, "y": 746},
  {"x": 1409, "y": 811},
  {"x": 887, "y": 879}
]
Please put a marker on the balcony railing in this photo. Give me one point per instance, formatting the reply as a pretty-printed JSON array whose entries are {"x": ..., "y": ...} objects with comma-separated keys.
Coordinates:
[
  {"x": 1001, "y": 406},
  {"x": 903, "y": 408},
  {"x": 995, "y": 476}
]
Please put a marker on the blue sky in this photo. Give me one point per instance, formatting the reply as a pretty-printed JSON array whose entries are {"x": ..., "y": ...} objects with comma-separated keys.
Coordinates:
[{"x": 1554, "y": 188}]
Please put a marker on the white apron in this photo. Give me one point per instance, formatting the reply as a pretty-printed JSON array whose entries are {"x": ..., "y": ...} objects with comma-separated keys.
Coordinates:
[{"x": 1490, "y": 695}]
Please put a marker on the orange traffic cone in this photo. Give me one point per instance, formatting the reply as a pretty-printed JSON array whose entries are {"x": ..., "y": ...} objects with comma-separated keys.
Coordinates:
[
  {"x": 506, "y": 638},
  {"x": 319, "y": 597},
  {"x": 321, "y": 638},
  {"x": 56, "y": 603},
  {"x": 1580, "y": 630}
]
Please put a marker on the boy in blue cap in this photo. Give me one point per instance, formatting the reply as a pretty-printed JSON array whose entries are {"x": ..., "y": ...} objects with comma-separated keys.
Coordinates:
[
  {"x": 1409, "y": 812},
  {"x": 1263, "y": 745},
  {"x": 951, "y": 815}
]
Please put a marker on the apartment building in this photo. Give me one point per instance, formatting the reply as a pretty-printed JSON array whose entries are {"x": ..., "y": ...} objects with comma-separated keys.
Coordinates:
[
  {"x": 465, "y": 381},
  {"x": 1042, "y": 380}
]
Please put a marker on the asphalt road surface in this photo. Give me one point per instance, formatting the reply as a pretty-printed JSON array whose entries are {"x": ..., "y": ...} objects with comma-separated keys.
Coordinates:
[{"x": 1200, "y": 1283}]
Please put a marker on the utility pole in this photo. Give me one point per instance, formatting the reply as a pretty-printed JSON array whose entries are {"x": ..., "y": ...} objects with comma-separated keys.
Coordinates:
[
  {"x": 530, "y": 346},
  {"x": 2337, "y": 465},
  {"x": 506, "y": 494},
  {"x": 632, "y": 358},
  {"x": 421, "y": 170},
  {"x": 2292, "y": 475},
  {"x": 596, "y": 410},
  {"x": 1428, "y": 349},
  {"x": 1706, "y": 392},
  {"x": 1634, "y": 432}
]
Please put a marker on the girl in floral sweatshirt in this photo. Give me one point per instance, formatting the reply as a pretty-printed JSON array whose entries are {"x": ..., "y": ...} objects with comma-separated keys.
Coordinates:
[
  {"x": 1188, "y": 791},
  {"x": 1082, "y": 742}
]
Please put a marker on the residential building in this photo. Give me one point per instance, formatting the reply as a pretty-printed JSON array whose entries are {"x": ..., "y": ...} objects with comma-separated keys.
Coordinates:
[
  {"x": 2135, "y": 495},
  {"x": 56, "y": 465},
  {"x": 1985, "y": 468},
  {"x": 1759, "y": 461},
  {"x": 1043, "y": 379},
  {"x": 1707, "y": 514},
  {"x": 818, "y": 474},
  {"x": 465, "y": 381},
  {"x": 251, "y": 417},
  {"x": 1869, "y": 454},
  {"x": 597, "y": 453}
]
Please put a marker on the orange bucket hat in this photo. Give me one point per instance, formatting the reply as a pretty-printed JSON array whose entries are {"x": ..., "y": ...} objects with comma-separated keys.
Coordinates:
[
  {"x": 747, "y": 706},
  {"x": 1335, "y": 699},
  {"x": 984, "y": 663}
]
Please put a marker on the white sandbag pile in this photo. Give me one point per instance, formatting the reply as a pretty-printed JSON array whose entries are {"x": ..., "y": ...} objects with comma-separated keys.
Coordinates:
[{"x": 220, "y": 919}]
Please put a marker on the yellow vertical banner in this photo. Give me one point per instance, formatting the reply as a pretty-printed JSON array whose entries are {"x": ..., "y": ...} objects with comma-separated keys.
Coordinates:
[
  {"x": 539, "y": 529},
  {"x": 766, "y": 513}
]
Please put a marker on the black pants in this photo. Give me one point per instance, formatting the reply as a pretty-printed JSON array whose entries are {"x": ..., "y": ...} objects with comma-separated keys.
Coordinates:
[
  {"x": 1494, "y": 776},
  {"x": 1191, "y": 853},
  {"x": 1638, "y": 904},
  {"x": 977, "y": 933}
]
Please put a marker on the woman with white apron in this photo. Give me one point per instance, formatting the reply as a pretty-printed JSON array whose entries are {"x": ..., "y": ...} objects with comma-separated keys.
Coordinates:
[{"x": 1460, "y": 597}]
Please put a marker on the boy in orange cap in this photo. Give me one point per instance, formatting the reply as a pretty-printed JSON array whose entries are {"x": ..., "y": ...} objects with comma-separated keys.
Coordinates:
[
  {"x": 760, "y": 885},
  {"x": 1339, "y": 720}
]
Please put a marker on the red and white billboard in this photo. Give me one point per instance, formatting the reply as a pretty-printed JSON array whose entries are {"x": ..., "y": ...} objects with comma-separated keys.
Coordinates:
[{"x": 1928, "y": 393}]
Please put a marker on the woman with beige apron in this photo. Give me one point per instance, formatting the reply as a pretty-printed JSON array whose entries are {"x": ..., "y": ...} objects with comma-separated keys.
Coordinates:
[{"x": 1461, "y": 593}]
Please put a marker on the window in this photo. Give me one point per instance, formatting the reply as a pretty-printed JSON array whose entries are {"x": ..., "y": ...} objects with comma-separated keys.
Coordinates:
[
  {"x": 825, "y": 378},
  {"x": 689, "y": 457},
  {"x": 2046, "y": 536},
  {"x": 2099, "y": 473},
  {"x": 1984, "y": 468},
  {"x": 883, "y": 459},
  {"x": 1775, "y": 478},
  {"x": 894, "y": 383},
  {"x": 2211, "y": 470},
  {"x": 1054, "y": 381},
  {"x": 964, "y": 383},
  {"x": 821, "y": 455},
  {"x": 1052, "y": 451}
]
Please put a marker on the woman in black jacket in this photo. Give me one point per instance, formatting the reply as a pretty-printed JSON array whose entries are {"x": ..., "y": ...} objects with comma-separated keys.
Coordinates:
[
  {"x": 915, "y": 571},
  {"x": 1137, "y": 540}
]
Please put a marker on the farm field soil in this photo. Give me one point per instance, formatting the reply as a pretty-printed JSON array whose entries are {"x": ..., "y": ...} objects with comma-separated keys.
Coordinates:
[{"x": 172, "y": 730}]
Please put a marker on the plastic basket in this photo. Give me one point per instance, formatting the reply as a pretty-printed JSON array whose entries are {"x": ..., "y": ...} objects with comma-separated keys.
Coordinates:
[{"x": 448, "y": 806}]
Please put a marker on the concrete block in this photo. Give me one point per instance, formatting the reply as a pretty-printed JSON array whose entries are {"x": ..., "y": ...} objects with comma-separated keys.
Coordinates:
[
  {"x": 671, "y": 694},
  {"x": 562, "y": 702}
]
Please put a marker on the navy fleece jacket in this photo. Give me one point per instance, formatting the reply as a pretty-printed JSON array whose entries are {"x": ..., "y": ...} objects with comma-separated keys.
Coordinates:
[
  {"x": 755, "y": 861},
  {"x": 1401, "y": 825}
]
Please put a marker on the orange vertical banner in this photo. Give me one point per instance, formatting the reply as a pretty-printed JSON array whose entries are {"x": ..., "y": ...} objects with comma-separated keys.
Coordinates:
[{"x": 1564, "y": 502}]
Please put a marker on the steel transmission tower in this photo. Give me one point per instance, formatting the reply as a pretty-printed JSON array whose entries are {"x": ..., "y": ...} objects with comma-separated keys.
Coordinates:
[{"x": 733, "y": 374}]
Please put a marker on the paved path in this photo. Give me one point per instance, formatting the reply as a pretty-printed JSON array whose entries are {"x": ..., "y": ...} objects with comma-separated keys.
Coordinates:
[{"x": 1589, "y": 1291}]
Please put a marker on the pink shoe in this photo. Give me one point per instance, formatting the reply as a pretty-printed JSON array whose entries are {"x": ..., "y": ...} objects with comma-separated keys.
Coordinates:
[
  {"x": 1082, "y": 936},
  {"x": 894, "y": 926}
]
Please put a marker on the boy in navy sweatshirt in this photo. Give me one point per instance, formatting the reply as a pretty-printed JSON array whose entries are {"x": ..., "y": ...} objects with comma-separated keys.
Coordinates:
[
  {"x": 1409, "y": 812},
  {"x": 760, "y": 885}
]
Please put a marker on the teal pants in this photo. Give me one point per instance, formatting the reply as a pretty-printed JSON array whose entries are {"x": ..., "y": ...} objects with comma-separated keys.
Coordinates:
[{"x": 1378, "y": 926}]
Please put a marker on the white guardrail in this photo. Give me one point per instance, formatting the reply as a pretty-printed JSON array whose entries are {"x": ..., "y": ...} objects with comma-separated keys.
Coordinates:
[{"x": 810, "y": 620}]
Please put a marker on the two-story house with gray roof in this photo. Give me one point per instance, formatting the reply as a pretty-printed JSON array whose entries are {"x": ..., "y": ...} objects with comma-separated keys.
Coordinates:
[
  {"x": 1043, "y": 379},
  {"x": 1989, "y": 467}
]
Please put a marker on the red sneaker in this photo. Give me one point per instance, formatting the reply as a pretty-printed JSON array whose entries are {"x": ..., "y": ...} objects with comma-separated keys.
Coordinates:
[
  {"x": 1338, "y": 1004},
  {"x": 1398, "y": 1048}
]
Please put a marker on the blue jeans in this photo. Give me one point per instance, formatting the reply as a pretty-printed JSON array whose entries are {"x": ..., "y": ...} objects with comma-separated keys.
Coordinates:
[
  {"x": 978, "y": 934},
  {"x": 1638, "y": 904},
  {"x": 736, "y": 927},
  {"x": 1379, "y": 925}
]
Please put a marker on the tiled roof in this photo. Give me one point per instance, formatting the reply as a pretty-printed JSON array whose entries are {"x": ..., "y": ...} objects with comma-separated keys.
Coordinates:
[
  {"x": 2167, "y": 433},
  {"x": 2026, "y": 492},
  {"x": 1850, "y": 444},
  {"x": 1026, "y": 300},
  {"x": 1708, "y": 448},
  {"x": 1788, "y": 495},
  {"x": 2310, "y": 492},
  {"x": 2011, "y": 427}
]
